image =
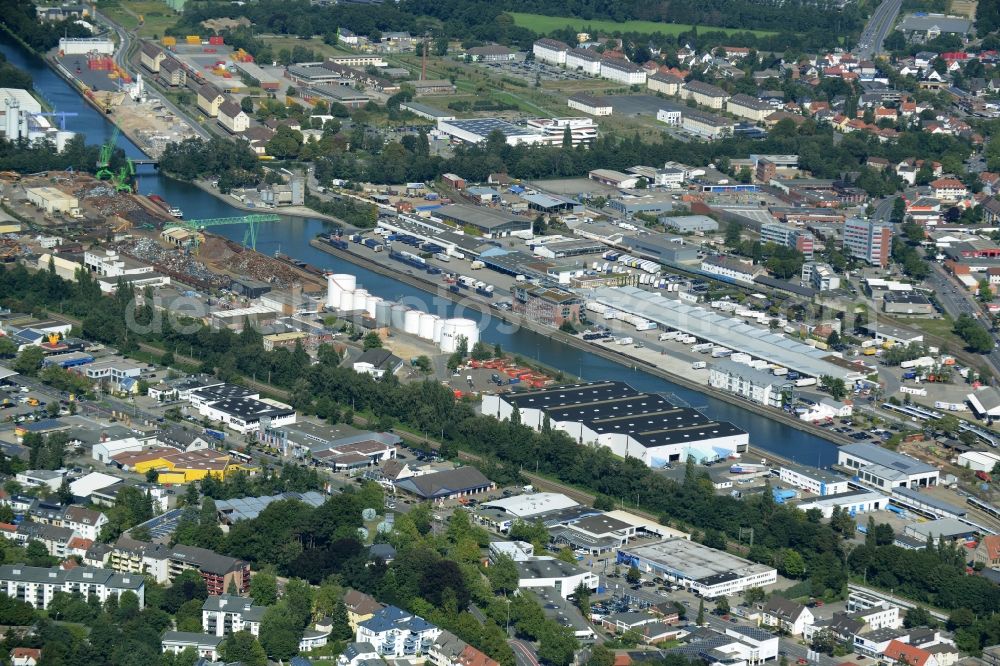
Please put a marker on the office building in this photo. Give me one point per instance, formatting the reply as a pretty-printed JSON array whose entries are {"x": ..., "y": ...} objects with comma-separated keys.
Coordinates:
[
  {"x": 868, "y": 240},
  {"x": 788, "y": 236},
  {"x": 813, "y": 480}
]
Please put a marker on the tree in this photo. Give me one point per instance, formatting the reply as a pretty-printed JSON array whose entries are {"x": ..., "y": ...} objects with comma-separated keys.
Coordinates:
[
  {"x": 722, "y": 606},
  {"x": 481, "y": 352},
  {"x": 243, "y": 647},
  {"x": 754, "y": 595},
  {"x": 503, "y": 575},
  {"x": 279, "y": 632},
  {"x": 985, "y": 292},
  {"x": 700, "y": 619},
  {"x": 246, "y": 105},
  {"x": 632, "y": 575},
  {"x": 833, "y": 339},
  {"x": 601, "y": 655},
  {"x": 29, "y": 361},
  {"x": 264, "y": 588},
  {"x": 834, "y": 386},
  {"x": 423, "y": 364},
  {"x": 340, "y": 622},
  {"x": 8, "y": 347},
  {"x": 372, "y": 340},
  {"x": 581, "y": 597},
  {"x": 733, "y": 234},
  {"x": 919, "y": 617},
  {"x": 792, "y": 565}
]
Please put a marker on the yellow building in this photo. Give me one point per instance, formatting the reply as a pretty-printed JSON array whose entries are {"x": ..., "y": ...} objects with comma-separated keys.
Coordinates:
[{"x": 175, "y": 466}]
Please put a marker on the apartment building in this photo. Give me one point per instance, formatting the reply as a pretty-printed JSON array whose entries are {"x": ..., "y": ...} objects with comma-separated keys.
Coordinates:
[
  {"x": 164, "y": 564},
  {"x": 868, "y": 240},
  {"x": 37, "y": 585}
]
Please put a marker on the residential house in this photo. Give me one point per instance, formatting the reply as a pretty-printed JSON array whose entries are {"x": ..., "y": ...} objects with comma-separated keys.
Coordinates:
[
  {"x": 903, "y": 654},
  {"x": 206, "y": 646},
  {"x": 23, "y": 656},
  {"x": 377, "y": 362},
  {"x": 787, "y": 615},
  {"x": 37, "y": 585},
  {"x": 225, "y": 614},
  {"x": 949, "y": 189},
  {"x": 360, "y": 607},
  {"x": 988, "y": 551},
  {"x": 395, "y": 633}
]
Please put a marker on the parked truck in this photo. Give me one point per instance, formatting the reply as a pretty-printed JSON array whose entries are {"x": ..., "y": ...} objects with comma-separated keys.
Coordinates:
[{"x": 699, "y": 365}]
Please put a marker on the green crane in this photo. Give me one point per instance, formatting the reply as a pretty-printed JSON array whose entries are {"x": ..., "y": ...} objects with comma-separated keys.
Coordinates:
[
  {"x": 251, "y": 222},
  {"x": 104, "y": 171},
  {"x": 122, "y": 181}
]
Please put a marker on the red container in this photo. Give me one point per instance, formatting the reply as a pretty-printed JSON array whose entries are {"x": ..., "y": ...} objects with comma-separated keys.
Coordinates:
[
  {"x": 216, "y": 40},
  {"x": 208, "y": 50}
]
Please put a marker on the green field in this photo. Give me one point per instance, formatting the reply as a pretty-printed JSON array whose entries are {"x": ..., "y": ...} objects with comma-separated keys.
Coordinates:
[{"x": 546, "y": 24}]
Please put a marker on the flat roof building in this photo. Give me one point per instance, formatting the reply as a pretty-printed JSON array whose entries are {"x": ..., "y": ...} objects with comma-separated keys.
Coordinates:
[
  {"x": 886, "y": 469},
  {"x": 728, "y": 332},
  {"x": 630, "y": 423},
  {"x": 487, "y": 222},
  {"x": 477, "y": 130},
  {"x": 705, "y": 571}
]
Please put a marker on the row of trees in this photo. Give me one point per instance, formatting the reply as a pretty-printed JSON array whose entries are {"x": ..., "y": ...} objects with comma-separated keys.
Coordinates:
[{"x": 233, "y": 163}]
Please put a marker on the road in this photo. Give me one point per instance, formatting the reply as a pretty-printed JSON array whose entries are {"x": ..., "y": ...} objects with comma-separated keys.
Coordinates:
[
  {"x": 524, "y": 654},
  {"x": 879, "y": 24},
  {"x": 883, "y": 211},
  {"x": 956, "y": 301}
]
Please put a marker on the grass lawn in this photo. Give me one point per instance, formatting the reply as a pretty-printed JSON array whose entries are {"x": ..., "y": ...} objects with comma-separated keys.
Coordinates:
[
  {"x": 940, "y": 327},
  {"x": 546, "y": 24},
  {"x": 278, "y": 42},
  {"x": 157, "y": 17}
]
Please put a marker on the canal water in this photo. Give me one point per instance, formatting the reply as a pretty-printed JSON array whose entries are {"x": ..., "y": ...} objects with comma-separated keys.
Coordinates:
[{"x": 292, "y": 238}]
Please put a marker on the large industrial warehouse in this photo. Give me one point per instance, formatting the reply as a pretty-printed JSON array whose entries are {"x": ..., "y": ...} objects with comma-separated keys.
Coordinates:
[
  {"x": 630, "y": 423},
  {"x": 705, "y": 571},
  {"x": 726, "y": 331}
]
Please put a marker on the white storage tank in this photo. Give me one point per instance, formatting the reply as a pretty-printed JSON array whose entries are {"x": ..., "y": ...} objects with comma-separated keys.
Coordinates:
[
  {"x": 360, "y": 300},
  {"x": 398, "y": 316},
  {"x": 426, "y": 329},
  {"x": 455, "y": 329},
  {"x": 336, "y": 284},
  {"x": 332, "y": 292},
  {"x": 347, "y": 301},
  {"x": 438, "y": 327},
  {"x": 371, "y": 303},
  {"x": 411, "y": 322}
]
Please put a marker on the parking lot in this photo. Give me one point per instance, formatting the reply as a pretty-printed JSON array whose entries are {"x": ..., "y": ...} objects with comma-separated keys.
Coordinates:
[{"x": 531, "y": 70}]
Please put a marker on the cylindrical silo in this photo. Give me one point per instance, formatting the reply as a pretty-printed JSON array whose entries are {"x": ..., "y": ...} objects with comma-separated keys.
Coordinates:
[
  {"x": 383, "y": 313},
  {"x": 398, "y": 316},
  {"x": 346, "y": 301},
  {"x": 371, "y": 303},
  {"x": 345, "y": 281},
  {"x": 360, "y": 300},
  {"x": 332, "y": 292},
  {"x": 426, "y": 330},
  {"x": 456, "y": 329},
  {"x": 438, "y": 327},
  {"x": 411, "y": 322}
]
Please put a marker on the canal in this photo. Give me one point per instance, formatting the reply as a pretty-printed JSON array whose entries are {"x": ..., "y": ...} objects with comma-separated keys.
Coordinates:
[{"x": 292, "y": 237}]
